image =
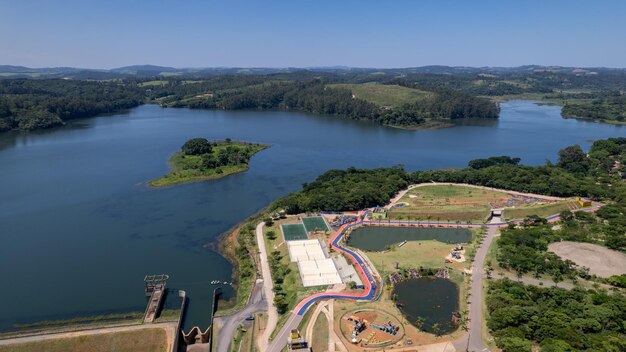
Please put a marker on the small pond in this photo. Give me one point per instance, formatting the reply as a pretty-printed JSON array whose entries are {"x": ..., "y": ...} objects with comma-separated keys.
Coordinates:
[
  {"x": 377, "y": 238},
  {"x": 433, "y": 300}
]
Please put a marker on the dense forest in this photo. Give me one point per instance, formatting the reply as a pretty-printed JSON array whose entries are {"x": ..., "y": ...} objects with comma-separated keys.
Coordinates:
[
  {"x": 599, "y": 107},
  {"x": 554, "y": 318},
  {"x": 352, "y": 189},
  {"x": 36, "y": 104}
]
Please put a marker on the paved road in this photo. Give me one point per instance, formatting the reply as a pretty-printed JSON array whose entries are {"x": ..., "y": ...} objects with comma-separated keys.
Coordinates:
[
  {"x": 280, "y": 340},
  {"x": 472, "y": 341},
  {"x": 268, "y": 285},
  {"x": 228, "y": 324}
]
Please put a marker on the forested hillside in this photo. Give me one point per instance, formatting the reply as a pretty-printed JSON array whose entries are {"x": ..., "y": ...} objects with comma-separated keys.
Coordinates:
[
  {"x": 418, "y": 97},
  {"x": 37, "y": 104}
]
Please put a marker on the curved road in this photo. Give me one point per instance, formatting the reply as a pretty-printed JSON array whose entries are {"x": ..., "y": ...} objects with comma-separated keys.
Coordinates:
[{"x": 228, "y": 324}]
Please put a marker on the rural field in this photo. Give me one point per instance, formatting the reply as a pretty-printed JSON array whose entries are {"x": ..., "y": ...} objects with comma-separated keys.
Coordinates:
[
  {"x": 144, "y": 340},
  {"x": 384, "y": 95}
]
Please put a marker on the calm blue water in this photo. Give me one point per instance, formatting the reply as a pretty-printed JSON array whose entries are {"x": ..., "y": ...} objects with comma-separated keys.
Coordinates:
[{"x": 77, "y": 220}]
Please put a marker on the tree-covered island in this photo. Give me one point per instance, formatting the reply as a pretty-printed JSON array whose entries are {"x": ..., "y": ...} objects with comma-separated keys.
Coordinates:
[{"x": 200, "y": 159}]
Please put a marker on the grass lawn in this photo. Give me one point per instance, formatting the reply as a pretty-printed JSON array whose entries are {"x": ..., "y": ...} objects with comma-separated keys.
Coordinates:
[
  {"x": 189, "y": 168},
  {"x": 383, "y": 94},
  {"x": 429, "y": 254},
  {"x": 447, "y": 203},
  {"x": 320, "y": 333},
  {"x": 543, "y": 210},
  {"x": 148, "y": 340}
]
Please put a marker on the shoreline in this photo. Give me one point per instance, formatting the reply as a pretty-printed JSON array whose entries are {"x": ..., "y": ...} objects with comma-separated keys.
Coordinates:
[{"x": 176, "y": 173}]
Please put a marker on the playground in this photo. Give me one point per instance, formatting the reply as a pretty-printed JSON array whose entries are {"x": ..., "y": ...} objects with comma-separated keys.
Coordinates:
[{"x": 371, "y": 328}]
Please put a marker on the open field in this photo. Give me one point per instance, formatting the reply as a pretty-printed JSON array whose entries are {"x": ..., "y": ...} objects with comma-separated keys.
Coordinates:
[
  {"x": 384, "y": 95},
  {"x": 447, "y": 203},
  {"x": 189, "y": 168},
  {"x": 145, "y": 340},
  {"x": 156, "y": 83},
  {"x": 320, "y": 335},
  {"x": 542, "y": 210},
  {"x": 600, "y": 260},
  {"x": 429, "y": 254}
]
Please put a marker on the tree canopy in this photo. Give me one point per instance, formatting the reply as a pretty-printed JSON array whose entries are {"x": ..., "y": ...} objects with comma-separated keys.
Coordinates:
[{"x": 196, "y": 146}]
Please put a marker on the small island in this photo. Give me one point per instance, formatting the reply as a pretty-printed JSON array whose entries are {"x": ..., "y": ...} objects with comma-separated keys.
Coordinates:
[{"x": 200, "y": 160}]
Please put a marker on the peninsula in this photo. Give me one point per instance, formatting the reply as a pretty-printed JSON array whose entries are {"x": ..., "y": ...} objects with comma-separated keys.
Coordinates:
[{"x": 200, "y": 160}]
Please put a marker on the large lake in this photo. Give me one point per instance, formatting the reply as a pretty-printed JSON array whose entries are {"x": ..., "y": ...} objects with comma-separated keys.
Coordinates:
[{"x": 79, "y": 229}]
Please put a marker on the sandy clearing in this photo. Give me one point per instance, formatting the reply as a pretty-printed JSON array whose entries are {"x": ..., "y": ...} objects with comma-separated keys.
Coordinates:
[{"x": 600, "y": 260}]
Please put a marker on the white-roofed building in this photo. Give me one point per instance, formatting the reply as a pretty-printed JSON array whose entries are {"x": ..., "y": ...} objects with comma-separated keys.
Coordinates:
[
  {"x": 305, "y": 250},
  {"x": 315, "y": 268}
]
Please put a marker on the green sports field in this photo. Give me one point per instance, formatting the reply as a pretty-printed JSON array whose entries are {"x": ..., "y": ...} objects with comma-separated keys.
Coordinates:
[
  {"x": 293, "y": 232},
  {"x": 314, "y": 223}
]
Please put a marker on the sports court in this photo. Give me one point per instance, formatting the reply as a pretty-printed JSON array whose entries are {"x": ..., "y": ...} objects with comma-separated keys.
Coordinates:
[
  {"x": 293, "y": 232},
  {"x": 314, "y": 223}
]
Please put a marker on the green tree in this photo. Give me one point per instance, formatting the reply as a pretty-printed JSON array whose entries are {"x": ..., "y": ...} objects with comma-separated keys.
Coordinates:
[
  {"x": 271, "y": 235},
  {"x": 196, "y": 146},
  {"x": 515, "y": 344},
  {"x": 573, "y": 159}
]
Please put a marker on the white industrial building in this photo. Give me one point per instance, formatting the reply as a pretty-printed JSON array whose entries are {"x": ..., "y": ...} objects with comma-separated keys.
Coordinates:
[{"x": 316, "y": 269}]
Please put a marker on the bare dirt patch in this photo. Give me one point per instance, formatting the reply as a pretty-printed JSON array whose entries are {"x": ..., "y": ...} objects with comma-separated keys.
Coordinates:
[{"x": 600, "y": 260}]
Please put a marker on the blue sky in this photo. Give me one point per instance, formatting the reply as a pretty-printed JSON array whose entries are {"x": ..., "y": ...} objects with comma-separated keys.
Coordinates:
[{"x": 299, "y": 33}]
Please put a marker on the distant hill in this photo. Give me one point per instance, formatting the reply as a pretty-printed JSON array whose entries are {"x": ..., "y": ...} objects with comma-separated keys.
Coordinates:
[
  {"x": 155, "y": 71},
  {"x": 139, "y": 68}
]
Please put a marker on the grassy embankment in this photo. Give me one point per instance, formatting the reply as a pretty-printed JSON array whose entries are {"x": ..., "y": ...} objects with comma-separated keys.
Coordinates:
[
  {"x": 76, "y": 323},
  {"x": 447, "y": 203},
  {"x": 542, "y": 210},
  {"x": 145, "y": 340},
  {"x": 240, "y": 248},
  {"x": 190, "y": 168},
  {"x": 451, "y": 203}
]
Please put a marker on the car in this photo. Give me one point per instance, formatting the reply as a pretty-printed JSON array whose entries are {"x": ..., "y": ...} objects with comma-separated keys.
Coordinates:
[{"x": 250, "y": 317}]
